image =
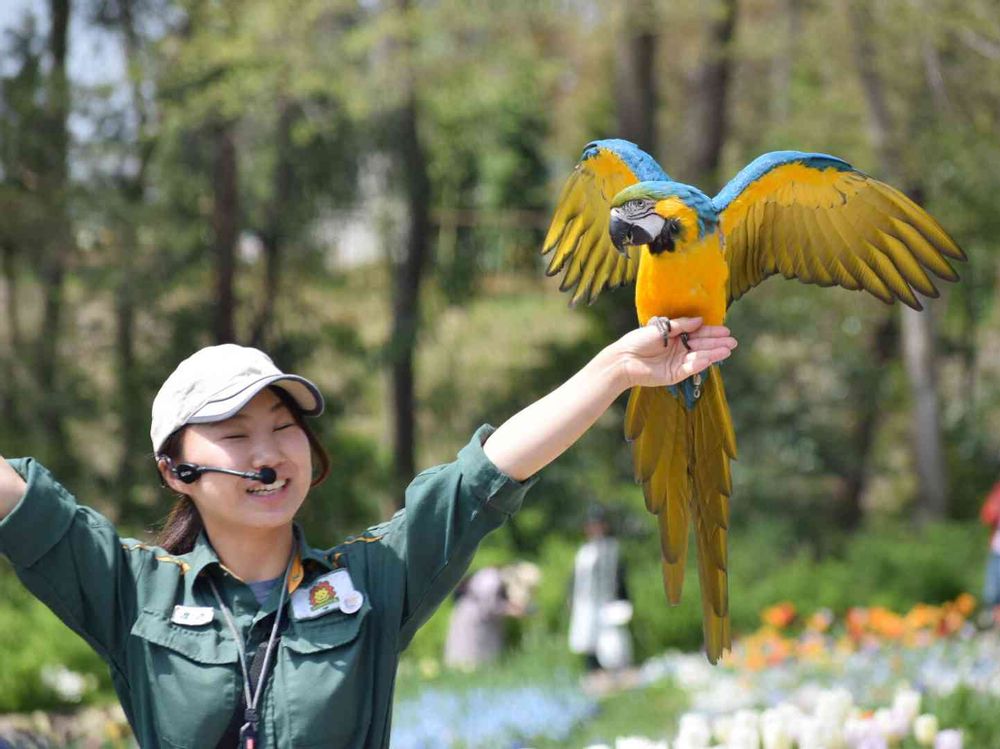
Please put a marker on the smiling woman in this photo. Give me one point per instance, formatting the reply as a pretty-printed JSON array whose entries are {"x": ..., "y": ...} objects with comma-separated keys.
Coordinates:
[
  {"x": 232, "y": 631},
  {"x": 185, "y": 521}
]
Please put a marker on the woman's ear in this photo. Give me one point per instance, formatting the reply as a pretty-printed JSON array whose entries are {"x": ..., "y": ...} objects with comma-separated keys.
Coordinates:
[{"x": 165, "y": 466}]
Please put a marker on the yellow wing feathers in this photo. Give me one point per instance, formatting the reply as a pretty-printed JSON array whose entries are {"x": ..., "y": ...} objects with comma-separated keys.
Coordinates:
[
  {"x": 578, "y": 235},
  {"x": 830, "y": 226},
  {"x": 681, "y": 458}
]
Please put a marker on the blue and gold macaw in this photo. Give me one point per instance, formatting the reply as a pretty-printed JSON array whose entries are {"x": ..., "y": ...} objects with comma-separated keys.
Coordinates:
[{"x": 804, "y": 215}]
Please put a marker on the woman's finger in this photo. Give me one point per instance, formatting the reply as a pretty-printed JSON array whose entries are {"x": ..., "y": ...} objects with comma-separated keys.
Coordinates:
[
  {"x": 710, "y": 331},
  {"x": 698, "y": 361},
  {"x": 707, "y": 344},
  {"x": 680, "y": 325}
]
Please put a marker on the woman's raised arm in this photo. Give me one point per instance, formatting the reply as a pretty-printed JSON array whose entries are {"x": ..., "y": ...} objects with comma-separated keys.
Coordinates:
[
  {"x": 12, "y": 488},
  {"x": 537, "y": 435}
]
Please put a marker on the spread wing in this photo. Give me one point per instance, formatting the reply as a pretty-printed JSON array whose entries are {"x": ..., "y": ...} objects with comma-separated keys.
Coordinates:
[
  {"x": 578, "y": 236},
  {"x": 814, "y": 217}
]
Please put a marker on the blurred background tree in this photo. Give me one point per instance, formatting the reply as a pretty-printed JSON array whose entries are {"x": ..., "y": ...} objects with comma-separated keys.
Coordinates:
[{"x": 361, "y": 187}]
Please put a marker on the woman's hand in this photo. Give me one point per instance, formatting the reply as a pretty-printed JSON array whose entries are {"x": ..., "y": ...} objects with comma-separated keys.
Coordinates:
[
  {"x": 12, "y": 488},
  {"x": 536, "y": 435},
  {"x": 656, "y": 354}
]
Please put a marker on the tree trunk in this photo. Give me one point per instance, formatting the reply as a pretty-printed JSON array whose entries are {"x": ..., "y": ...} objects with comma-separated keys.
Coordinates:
[
  {"x": 635, "y": 75},
  {"x": 131, "y": 411},
  {"x": 407, "y": 279},
  {"x": 225, "y": 226},
  {"x": 51, "y": 409},
  {"x": 8, "y": 388},
  {"x": 867, "y": 395},
  {"x": 274, "y": 232},
  {"x": 710, "y": 121},
  {"x": 917, "y": 331},
  {"x": 919, "y": 355},
  {"x": 636, "y": 105},
  {"x": 784, "y": 63}
]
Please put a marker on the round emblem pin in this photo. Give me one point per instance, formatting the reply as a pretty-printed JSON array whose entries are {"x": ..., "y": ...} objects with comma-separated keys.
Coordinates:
[{"x": 351, "y": 602}]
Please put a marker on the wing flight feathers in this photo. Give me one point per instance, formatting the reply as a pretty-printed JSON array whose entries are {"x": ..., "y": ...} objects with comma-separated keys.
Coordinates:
[
  {"x": 815, "y": 218},
  {"x": 578, "y": 235}
]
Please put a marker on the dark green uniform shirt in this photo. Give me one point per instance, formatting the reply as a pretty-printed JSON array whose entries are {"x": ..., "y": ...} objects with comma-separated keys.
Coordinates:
[{"x": 333, "y": 674}]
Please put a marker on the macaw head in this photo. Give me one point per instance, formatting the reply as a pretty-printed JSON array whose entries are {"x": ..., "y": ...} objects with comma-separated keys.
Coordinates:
[{"x": 666, "y": 216}]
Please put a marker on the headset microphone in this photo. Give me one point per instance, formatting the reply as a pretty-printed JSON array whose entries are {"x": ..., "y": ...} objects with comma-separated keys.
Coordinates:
[{"x": 189, "y": 473}]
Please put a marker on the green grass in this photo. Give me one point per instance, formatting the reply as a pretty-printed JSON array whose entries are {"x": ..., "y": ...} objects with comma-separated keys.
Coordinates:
[{"x": 652, "y": 712}]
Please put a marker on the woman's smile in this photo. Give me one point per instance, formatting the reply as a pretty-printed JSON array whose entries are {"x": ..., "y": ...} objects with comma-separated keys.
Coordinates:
[{"x": 270, "y": 491}]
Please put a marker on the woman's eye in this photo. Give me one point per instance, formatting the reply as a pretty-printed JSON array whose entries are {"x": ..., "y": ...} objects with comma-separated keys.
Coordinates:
[
  {"x": 234, "y": 436},
  {"x": 284, "y": 426}
]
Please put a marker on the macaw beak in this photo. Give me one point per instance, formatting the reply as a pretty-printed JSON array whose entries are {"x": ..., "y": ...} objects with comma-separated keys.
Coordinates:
[
  {"x": 625, "y": 234},
  {"x": 620, "y": 235}
]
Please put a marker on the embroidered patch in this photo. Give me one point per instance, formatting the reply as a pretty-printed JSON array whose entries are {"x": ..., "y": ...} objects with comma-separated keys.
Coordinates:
[
  {"x": 192, "y": 616},
  {"x": 323, "y": 595}
]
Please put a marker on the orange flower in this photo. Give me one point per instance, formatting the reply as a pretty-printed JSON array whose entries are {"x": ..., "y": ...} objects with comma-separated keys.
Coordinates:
[
  {"x": 923, "y": 616},
  {"x": 966, "y": 604},
  {"x": 857, "y": 620},
  {"x": 885, "y": 622},
  {"x": 780, "y": 615},
  {"x": 820, "y": 621}
]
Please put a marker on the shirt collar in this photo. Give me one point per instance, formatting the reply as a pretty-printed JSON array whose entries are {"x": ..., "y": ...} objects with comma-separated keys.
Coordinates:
[{"x": 202, "y": 556}]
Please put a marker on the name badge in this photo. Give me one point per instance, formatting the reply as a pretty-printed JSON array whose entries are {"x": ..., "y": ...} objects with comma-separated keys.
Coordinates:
[
  {"x": 192, "y": 616},
  {"x": 333, "y": 591}
]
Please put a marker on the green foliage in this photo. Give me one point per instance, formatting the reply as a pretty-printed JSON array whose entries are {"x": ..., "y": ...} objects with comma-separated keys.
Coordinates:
[
  {"x": 976, "y": 713},
  {"x": 895, "y": 566},
  {"x": 651, "y": 711},
  {"x": 32, "y": 638}
]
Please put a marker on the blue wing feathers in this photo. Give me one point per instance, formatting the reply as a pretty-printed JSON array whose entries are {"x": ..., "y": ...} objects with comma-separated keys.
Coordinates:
[
  {"x": 641, "y": 163},
  {"x": 763, "y": 164}
]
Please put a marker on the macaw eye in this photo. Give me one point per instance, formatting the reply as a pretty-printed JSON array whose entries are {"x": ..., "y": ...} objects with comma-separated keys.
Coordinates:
[
  {"x": 674, "y": 227},
  {"x": 634, "y": 208}
]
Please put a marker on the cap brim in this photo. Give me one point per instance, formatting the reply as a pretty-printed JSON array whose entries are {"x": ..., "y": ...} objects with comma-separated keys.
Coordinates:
[{"x": 304, "y": 392}]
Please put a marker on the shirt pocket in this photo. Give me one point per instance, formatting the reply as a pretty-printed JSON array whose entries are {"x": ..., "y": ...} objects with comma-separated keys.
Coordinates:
[
  {"x": 190, "y": 678},
  {"x": 328, "y": 671}
]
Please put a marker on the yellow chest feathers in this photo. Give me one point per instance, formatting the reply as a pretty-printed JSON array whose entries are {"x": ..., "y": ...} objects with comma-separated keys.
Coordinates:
[{"x": 690, "y": 281}]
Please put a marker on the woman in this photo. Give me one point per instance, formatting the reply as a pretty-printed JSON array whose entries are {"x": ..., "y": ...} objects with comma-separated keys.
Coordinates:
[{"x": 202, "y": 648}]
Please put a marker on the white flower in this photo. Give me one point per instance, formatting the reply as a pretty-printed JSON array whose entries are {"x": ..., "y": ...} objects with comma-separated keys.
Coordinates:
[
  {"x": 950, "y": 739},
  {"x": 833, "y": 705},
  {"x": 638, "y": 742},
  {"x": 746, "y": 719},
  {"x": 810, "y": 734},
  {"x": 925, "y": 729},
  {"x": 694, "y": 732},
  {"x": 892, "y": 724},
  {"x": 69, "y": 685},
  {"x": 744, "y": 737},
  {"x": 776, "y": 728},
  {"x": 907, "y": 704},
  {"x": 722, "y": 727}
]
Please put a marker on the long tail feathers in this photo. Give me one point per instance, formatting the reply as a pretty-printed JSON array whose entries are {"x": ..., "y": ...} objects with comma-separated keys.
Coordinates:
[{"x": 681, "y": 458}]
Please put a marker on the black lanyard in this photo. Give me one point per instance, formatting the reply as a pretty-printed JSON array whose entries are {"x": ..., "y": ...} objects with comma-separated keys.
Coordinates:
[{"x": 252, "y": 690}]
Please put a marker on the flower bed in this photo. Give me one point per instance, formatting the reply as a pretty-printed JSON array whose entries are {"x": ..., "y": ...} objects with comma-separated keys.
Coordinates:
[{"x": 489, "y": 717}]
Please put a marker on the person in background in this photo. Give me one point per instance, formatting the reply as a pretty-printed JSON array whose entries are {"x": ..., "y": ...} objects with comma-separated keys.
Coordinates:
[
  {"x": 990, "y": 515},
  {"x": 476, "y": 631},
  {"x": 598, "y": 581}
]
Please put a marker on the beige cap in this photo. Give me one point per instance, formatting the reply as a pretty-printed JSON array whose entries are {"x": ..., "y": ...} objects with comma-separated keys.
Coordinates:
[{"x": 216, "y": 382}]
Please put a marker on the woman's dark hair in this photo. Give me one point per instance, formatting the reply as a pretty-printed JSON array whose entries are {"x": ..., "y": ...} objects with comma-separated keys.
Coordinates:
[{"x": 183, "y": 525}]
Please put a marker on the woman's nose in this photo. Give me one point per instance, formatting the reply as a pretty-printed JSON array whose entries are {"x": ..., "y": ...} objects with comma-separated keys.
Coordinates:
[{"x": 267, "y": 452}]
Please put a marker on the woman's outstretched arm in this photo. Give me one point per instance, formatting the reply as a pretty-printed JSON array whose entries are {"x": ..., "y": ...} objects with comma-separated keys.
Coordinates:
[
  {"x": 12, "y": 488},
  {"x": 538, "y": 434}
]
